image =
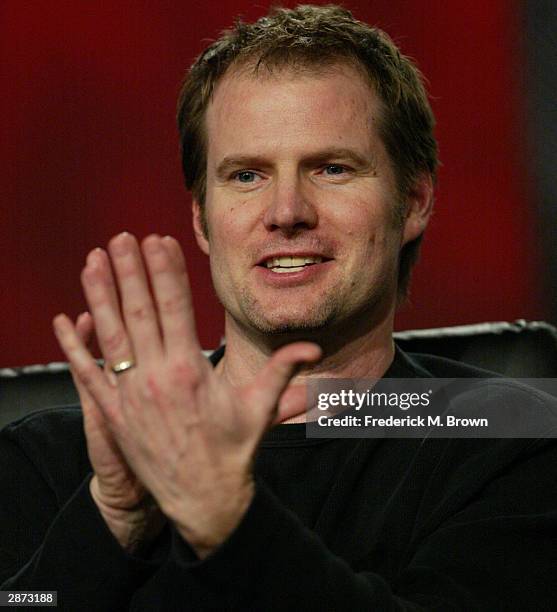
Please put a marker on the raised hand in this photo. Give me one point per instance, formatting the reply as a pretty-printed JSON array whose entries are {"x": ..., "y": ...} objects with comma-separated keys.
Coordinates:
[
  {"x": 188, "y": 436},
  {"x": 127, "y": 507}
]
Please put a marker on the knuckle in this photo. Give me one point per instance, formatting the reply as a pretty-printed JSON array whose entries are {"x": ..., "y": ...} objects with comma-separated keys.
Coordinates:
[
  {"x": 187, "y": 374},
  {"x": 86, "y": 375},
  {"x": 173, "y": 304},
  {"x": 160, "y": 263},
  {"x": 149, "y": 386},
  {"x": 115, "y": 341},
  {"x": 70, "y": 345},
  {"x": 139, "y": 312}
]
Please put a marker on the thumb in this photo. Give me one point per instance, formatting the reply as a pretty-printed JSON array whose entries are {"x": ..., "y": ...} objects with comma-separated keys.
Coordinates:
[{"x": 279, "y": 370}]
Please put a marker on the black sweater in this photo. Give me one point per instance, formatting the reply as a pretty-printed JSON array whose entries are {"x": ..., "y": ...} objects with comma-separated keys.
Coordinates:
[{"x": 340, "y": 525}]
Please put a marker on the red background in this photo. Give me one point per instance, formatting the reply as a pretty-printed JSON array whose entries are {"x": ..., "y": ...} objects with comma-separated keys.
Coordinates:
[{"x": 88, "y": 148}]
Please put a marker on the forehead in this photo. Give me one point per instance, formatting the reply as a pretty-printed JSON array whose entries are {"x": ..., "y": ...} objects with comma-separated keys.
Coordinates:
[{"x": 292, "y": 108}]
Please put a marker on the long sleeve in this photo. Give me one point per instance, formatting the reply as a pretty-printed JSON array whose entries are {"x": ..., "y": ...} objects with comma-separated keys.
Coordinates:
[
  {"x": 488, "y": 546},
  {"x": 435, "y": 524},
  {"x": 273, "y": 562},
  {"x": 54, "y": 540}
]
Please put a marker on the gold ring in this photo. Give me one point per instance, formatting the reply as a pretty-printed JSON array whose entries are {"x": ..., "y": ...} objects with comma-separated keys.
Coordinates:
[{"x": 122, "y": 366}]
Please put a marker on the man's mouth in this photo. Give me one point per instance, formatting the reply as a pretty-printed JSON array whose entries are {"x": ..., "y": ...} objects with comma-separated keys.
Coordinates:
[{"x": 283, "y": 265}]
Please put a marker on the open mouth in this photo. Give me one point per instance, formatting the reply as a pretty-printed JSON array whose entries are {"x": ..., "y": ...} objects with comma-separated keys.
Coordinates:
[{"x": 282, "y": 265}]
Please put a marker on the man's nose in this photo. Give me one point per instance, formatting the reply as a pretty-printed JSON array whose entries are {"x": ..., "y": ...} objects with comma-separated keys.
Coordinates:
[{"x": 291, "y": 207}]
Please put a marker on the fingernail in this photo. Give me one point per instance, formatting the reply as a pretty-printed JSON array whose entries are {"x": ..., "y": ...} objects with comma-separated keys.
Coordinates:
[
  {"x": 168, "y": 245},
  {"x": 152, "y": 243},
  {"x": 312, "y": 351},
  {"x": 119, "y": 244},
  {"x": 94, "y": 259},
  {"x": 57, "y": 321}
]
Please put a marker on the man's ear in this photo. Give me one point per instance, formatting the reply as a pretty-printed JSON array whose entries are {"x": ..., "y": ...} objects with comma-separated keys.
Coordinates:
[
  {"x": 199, "y": 227},
  {"x": 419, "y": 206}
]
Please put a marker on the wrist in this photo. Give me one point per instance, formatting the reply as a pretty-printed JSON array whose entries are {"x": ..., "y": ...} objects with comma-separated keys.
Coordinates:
[
  {"x": 213, "y": 522},
  {"x": 134, "y": 528}
]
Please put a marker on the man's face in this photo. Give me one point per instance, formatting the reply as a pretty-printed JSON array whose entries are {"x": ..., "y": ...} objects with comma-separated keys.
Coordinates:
[{"x": 295, "y": 168}]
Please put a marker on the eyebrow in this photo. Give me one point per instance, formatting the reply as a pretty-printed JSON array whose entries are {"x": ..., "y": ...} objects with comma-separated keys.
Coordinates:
[
  {"x": 235, "y": 162},
  {"x": 340, "y": 153}
]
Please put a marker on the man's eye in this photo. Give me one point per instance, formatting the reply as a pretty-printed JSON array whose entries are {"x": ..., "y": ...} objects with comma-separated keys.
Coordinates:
[
  {"x": 245, "y": 176},
  {"x": 334, "y": 169}
]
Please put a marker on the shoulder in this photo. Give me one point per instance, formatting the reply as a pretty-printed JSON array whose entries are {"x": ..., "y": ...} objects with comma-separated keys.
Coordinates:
[
  {"x": 442, "y": 367},
  {"x": 43, "y": 426},
  {"x": 540, "y": 391},
  {"x": 514, "y": 407},
  {"x": 52, "y": 441}
]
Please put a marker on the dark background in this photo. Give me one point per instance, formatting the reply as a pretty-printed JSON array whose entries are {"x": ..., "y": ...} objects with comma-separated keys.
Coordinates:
[{"x": 88, "y": 148}]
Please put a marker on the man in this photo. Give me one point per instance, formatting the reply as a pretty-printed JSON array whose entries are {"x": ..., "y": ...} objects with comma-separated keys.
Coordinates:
[{"x": 307, "y": 143}]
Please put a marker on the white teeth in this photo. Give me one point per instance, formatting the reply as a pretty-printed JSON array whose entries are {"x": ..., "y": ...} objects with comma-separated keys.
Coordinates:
[
  {"x": 288, "y": 270},
  {"x": 291, "y": 262}
]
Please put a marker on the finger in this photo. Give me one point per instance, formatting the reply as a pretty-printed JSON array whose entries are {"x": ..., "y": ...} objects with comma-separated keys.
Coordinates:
[
  {"x": 102, "y": 297},
  {"x": 95, "y": 425},
  {"x": 139, "y": 312},
  {"x": 84, "y": 368},
  {"x": 84, "y": 327},
  {"x": 292, "y": 403},
  {"x": 278, "y": 371},
  {"x": 171, "y": 288}
]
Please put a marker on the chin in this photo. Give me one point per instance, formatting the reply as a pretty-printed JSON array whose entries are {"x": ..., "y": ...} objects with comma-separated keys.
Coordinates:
[
  {"x": 290, "y": 328},
  {"x": 301, "y": 322},
  {"x": 303, "y": 319}
]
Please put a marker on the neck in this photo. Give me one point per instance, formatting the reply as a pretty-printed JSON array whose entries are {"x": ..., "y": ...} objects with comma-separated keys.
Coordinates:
[{"x": 363, "y": 350}]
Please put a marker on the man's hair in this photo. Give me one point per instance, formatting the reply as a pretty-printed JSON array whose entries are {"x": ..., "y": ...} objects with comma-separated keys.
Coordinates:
[{"x": 316, "y": 38}]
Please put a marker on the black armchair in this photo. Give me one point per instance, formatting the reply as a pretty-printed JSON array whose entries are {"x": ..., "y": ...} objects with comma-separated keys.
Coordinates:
[{"x": 520, "y": 349}]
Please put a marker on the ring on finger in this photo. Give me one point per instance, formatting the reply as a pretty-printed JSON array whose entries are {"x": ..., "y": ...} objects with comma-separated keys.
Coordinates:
[{"x": 123, "y": 366}]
